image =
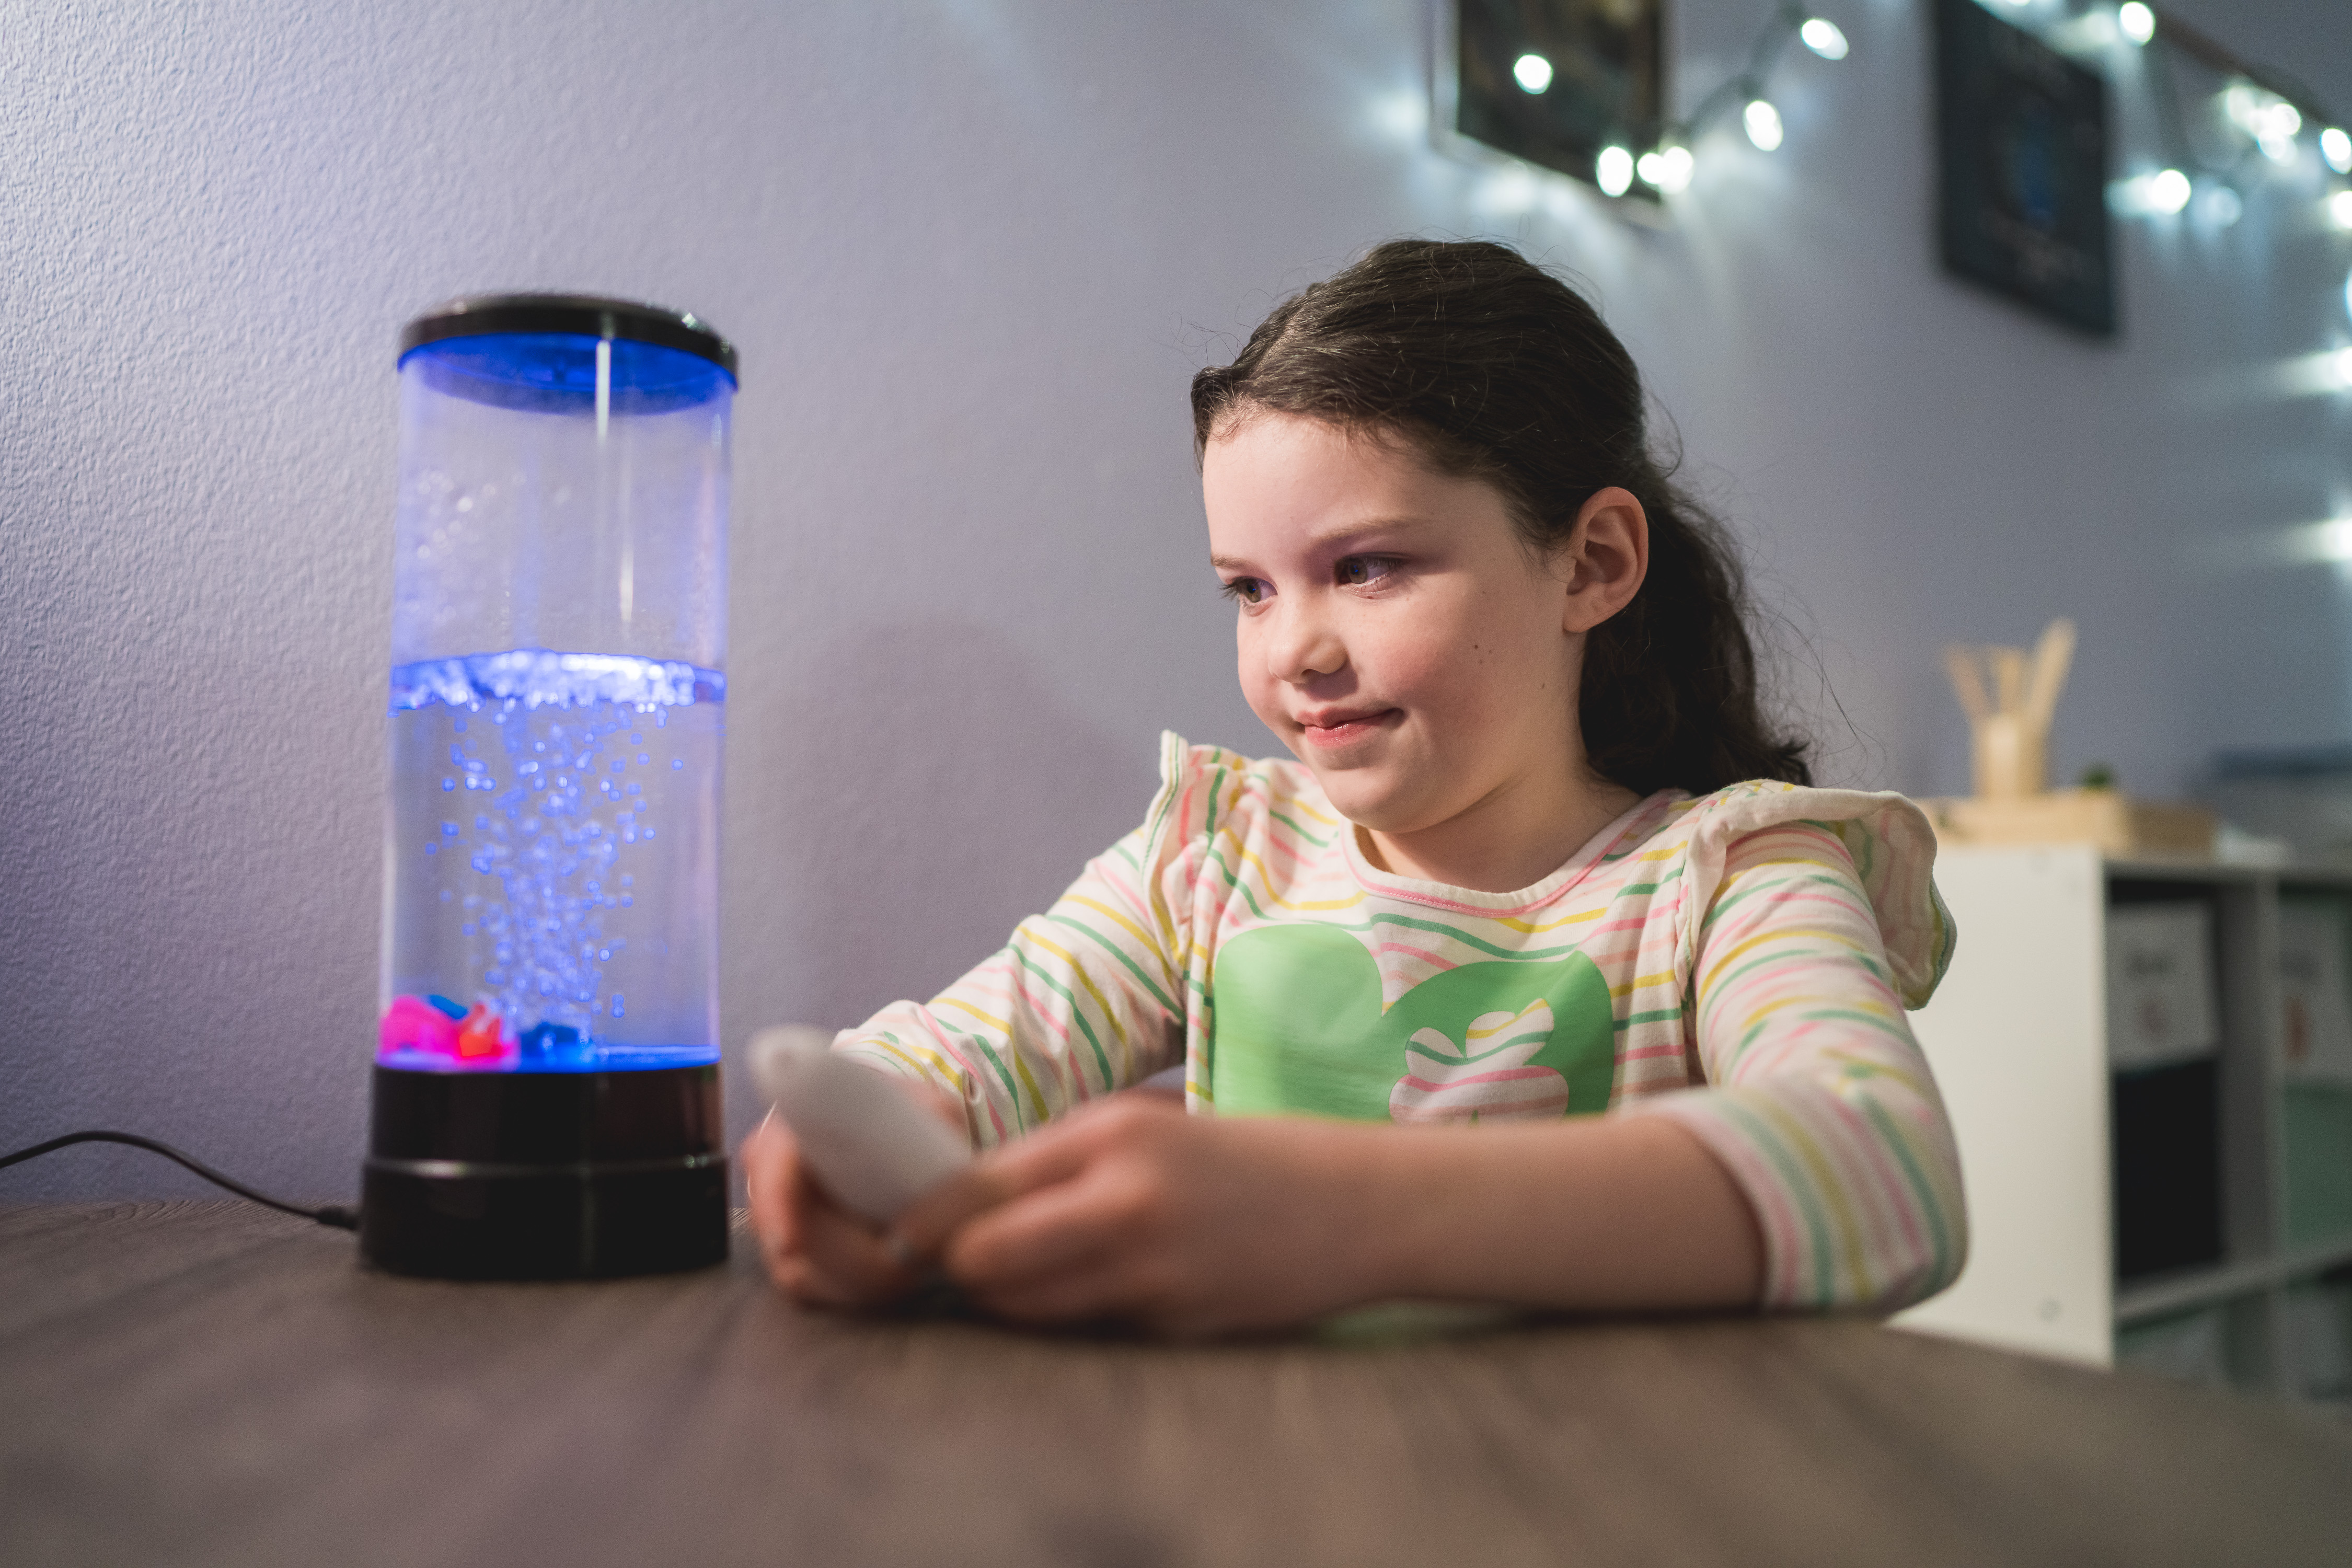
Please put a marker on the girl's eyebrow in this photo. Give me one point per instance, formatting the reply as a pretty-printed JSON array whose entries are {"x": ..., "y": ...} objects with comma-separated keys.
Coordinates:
[{"x": 1334, "y": 539}]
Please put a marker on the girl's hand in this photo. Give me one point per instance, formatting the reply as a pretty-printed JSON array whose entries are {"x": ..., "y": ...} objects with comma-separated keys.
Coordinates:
[
  {"x": 816, "y": 1250},
  {"x": 1131, "y": 1209}
]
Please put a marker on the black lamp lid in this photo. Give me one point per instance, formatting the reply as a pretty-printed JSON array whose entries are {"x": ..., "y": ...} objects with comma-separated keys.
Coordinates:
[{"x": 588, "y": 315}]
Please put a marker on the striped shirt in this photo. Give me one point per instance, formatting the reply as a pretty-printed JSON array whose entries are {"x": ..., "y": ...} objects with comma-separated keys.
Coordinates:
[{"x": 1739, "y": 961}]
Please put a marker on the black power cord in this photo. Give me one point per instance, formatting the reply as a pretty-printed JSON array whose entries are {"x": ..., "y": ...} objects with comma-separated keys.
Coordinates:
[{"x": 340, "y": 1216}]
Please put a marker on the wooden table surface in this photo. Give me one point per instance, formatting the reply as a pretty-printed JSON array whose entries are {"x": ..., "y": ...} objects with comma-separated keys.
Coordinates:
[{"x": 212, "y": 1382}]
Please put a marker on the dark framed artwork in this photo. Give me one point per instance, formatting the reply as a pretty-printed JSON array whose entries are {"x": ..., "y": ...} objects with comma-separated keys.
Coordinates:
[
  {"x": 1607, "y": 78},
  {"x": 2021, "y": 142}
]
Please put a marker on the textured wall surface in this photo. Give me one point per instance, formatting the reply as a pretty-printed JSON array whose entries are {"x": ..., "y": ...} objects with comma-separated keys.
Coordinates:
[{"x": 971, "y": 251}]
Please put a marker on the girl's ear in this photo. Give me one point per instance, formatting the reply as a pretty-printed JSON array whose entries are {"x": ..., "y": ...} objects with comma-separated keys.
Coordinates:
[{"x": 1607, "y": 555}]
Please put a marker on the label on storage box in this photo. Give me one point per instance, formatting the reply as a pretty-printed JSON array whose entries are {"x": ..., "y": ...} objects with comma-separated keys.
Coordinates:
[
  {"x": 2160, "y": 990},
  {"x": 2315, "y": 1014}
]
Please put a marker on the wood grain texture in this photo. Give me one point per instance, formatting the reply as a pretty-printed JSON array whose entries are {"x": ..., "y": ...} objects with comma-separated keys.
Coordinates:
[{"x": 211, "y": 1382}]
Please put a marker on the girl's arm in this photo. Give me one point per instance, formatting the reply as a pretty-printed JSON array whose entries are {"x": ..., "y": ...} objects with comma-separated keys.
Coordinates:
[
  {"x": 1081, "y": 1002},
  {"x": 1819, "y": 1172},
  {"x": 1195, "y": 1225},
  {"x": 1823, "y": 1109}
]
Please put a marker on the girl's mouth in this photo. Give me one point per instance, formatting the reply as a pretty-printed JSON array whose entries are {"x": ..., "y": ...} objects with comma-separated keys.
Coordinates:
[{"x": 1335, "y": 730}]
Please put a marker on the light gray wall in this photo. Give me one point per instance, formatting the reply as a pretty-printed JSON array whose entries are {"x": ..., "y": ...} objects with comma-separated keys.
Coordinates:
[{"x": 972, "y": 250}]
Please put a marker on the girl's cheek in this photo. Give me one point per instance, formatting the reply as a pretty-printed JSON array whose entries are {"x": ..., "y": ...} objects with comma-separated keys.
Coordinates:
[{"x": 1414, "y": 668}]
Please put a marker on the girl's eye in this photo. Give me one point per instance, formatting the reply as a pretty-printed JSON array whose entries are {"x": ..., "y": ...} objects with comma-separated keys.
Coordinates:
[
  {"x": 1248, "y": 590},
  {"x": 1359, "y": 571}
]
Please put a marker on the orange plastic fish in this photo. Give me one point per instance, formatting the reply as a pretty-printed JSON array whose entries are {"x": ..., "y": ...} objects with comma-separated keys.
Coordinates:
[{"x": 482, "y": 1034}]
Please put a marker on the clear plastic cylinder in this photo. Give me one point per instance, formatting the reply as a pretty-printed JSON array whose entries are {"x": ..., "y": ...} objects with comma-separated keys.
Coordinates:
[{"x": 557, "y": 701}]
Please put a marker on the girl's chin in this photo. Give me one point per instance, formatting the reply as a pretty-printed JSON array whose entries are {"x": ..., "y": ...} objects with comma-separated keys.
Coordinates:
[{"x": 1369, "y": 797}]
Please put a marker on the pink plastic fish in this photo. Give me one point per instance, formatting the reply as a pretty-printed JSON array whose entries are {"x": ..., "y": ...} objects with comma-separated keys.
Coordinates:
[{"x": 412, "y": 1024}]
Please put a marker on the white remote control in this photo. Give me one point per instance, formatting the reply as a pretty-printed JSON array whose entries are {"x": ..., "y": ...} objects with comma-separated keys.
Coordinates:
[{"x": 863, "y": 1136}]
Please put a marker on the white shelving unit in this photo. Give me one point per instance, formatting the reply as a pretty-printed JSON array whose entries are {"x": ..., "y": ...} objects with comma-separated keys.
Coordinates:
[{"x": 2017, "y": 1037}]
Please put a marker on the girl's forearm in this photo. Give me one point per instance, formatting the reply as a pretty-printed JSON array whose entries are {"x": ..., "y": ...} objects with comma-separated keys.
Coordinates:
[{"x": 1613, "y": 1212}]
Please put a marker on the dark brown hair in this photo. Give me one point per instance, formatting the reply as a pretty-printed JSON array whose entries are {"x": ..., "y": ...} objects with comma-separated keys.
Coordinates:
[{"x": 1491, "y": 368}]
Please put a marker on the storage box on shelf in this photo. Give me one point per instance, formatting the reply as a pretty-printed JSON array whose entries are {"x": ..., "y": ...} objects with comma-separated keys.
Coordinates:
[{"x": 2148, "y": 1065}]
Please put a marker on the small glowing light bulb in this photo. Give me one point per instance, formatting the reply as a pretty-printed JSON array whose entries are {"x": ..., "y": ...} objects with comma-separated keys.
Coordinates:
[
  {"x": 1533, "y": 72},
  {"x": 2222, "y": 206},
  {"x": 2135, "y": 21},
  {"x": 2344, "y": 366},
  {"x": 2336, "y": 148},
  {"x": 1612, "y": 171},
  {"x": 2274, "y": 123},
  {"x": 2339, "y": 209},
  {"x": 1763, "y": 122},
  {"x": 2167, "y": 191},
  {"x": 1674, "y": 165},
  {"x": 1821, "y": 36}
]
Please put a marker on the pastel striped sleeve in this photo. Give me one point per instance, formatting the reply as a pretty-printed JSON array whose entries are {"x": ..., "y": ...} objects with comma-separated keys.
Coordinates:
[
  {"x": 1086, "y": 998},
  {"x": 1821, "y": 1105}
]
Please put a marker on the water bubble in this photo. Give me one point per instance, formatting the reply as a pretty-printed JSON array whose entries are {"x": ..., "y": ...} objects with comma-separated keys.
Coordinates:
[
  {"x": 628, "y": 899},
  {"x": 446, "y": 895},
  {"x": 448, "y": 785},
  {"x": 676, "y": 763},
  {"x": 448, "y": 830},
  {"x": 458, "y": 724},
  {"x": 644, "y": 759},
  {"x": 616, "y": 1003},
  {"x": 481, "y": 825}
]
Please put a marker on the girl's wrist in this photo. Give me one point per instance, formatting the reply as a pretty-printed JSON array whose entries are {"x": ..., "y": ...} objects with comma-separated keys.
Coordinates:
[{"x": 1370, "y": 1209}]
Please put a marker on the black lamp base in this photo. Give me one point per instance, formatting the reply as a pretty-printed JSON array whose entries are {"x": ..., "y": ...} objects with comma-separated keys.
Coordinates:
[{"x": 544, "y": 1175}]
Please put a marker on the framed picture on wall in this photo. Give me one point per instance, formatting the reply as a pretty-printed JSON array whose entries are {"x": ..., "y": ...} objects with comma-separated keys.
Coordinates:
[
  {"x": 1554, "y": 82},
  {"x": 2021, "y": 144}
]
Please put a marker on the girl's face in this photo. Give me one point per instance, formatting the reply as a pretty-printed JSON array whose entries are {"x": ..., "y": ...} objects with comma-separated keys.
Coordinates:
[{"x": 1393, "y": 630}]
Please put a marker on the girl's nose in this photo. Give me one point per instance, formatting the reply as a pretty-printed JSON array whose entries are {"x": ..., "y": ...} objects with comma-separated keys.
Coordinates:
[{"x": 1304, "y": 647}]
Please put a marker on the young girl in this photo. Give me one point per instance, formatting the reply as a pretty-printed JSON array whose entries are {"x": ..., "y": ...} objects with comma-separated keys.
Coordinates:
[{"x": 1540, "y": 977}]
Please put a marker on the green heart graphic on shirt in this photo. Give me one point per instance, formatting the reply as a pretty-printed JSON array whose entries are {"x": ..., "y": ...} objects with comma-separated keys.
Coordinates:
[{"x": 1299, "y": 1028}]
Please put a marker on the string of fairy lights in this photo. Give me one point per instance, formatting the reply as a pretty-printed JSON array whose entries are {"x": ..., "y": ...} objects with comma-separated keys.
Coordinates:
[
  {"x": 2276, "y": 123},
  {"x": 1666, "y": 165},
  {"x": 2201, "y": 133},
  {"x": 2276, "y": 128}
]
